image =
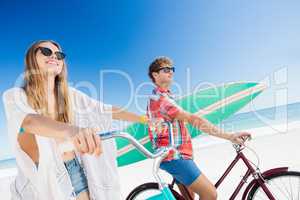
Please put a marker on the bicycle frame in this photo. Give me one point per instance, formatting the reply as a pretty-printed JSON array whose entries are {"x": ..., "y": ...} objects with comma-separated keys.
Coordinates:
[
  {"x": 250, "y": 170},
  {"x": 257, "y": 175}
]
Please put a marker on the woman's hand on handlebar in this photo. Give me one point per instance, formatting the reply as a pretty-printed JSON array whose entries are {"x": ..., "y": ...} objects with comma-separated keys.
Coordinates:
[
  {"x": 86, "y": 140},
  {"x": 240, "y": 137}
]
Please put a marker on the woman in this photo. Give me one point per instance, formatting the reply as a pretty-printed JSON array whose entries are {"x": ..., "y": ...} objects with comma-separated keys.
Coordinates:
[{"x": 46, "y": 112}]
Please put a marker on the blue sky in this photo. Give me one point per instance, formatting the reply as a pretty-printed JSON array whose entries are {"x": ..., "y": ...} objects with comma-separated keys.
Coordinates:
[{"x": 219, "y": 41}]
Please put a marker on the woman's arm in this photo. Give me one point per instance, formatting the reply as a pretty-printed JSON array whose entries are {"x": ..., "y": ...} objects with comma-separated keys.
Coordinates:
[
  {"x": 120, "y": 114},
  {"x": 85, "y": 140},
  {"x": 45, "y": 126}
]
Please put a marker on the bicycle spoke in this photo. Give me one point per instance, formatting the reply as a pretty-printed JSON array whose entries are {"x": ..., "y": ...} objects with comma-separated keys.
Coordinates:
[
  {"x": 272, "y": 187},
  {"x": 285, "y": 187},
  {"x": 262, "y": 197},
  {"x": 298, "y": 189},
  {"x": 265, "y": 195},
  {"x": 291, "y": 188},
  {"x": 279, "y": 188}
]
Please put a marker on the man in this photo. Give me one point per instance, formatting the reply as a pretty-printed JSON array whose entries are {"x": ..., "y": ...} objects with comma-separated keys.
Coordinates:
[{"x": 180, "y": 163}]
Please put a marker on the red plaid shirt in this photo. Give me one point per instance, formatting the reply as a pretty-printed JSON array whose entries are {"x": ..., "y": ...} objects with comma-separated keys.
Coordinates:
[{"x": 162, "y": 107}]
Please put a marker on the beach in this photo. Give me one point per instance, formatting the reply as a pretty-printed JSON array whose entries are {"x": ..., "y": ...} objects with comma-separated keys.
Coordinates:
[{"x": 276, "y": 146}]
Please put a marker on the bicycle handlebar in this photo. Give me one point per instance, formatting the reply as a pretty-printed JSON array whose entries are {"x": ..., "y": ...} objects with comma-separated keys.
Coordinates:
[
  {"x": 68, "y": 145},
  {"x": 239, "y": 147}
]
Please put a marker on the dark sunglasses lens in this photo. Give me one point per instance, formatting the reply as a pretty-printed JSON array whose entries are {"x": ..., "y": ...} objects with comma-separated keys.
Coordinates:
[
  {"x": 60, "y": 55},
  {"x": 168, "y": 69},
  {"x": 46, "y": 51}
]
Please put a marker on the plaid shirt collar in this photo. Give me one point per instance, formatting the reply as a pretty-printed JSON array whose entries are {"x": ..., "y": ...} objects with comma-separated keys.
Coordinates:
[{"x": 162, "y": 91}]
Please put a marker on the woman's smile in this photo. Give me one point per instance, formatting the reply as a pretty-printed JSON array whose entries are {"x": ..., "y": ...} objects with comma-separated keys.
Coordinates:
[{"x": 52, "y": 62}]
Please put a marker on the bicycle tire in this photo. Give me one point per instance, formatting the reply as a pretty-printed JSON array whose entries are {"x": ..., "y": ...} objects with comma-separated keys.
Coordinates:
[
  {"x": 253, "y": 192},
  {"x": 150, "y": 186}
]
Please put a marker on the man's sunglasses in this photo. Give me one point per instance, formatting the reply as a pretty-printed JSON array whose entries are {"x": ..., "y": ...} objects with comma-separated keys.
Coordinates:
[
  {"x": 48, "y": 52},
  {"x": 166, "y": 69}
]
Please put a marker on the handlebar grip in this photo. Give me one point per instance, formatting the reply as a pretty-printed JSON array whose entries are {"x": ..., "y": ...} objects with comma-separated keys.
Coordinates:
[
  {"x": 69, "y": 146},
  {"x": 247, "y": 138},
  {"x": 106, "y": 135}
]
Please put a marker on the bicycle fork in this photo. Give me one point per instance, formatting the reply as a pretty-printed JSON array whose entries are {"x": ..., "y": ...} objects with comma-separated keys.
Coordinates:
[{"x": 261, "y": 181}]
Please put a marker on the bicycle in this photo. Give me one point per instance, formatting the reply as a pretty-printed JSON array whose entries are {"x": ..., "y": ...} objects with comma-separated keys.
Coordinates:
[
  {"x": 263, "y": 186},
  {"x": 261, "y": 183}
]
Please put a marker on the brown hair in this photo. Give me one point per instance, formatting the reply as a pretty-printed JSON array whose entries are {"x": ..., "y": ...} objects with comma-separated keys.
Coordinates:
[
  {"x": 35, "y": 89},
  {"x": 157, "y": 64}
]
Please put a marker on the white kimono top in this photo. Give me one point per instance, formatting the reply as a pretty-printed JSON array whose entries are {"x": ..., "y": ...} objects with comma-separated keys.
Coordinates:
[{"x": 51, "y": 179}]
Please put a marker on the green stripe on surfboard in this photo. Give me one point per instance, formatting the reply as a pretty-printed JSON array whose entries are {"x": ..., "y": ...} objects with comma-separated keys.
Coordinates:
[
  {"x": 192, "y": 103},
  {"x": 223, "y": 113}
]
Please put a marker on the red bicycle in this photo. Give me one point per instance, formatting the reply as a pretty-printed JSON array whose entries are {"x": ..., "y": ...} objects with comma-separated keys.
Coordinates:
[{"x": 273, "y": 184}]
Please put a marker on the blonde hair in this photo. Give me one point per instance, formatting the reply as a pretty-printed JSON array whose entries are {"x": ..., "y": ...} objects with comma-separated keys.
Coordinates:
[{"x": 35, "y": 88}]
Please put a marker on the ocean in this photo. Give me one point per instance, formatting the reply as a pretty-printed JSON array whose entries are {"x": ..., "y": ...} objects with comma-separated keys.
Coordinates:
[{"x": 241, "y": 121}]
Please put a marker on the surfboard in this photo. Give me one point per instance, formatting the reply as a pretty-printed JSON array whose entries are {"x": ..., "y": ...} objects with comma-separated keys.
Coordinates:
[{"x": 213, "y": 103}]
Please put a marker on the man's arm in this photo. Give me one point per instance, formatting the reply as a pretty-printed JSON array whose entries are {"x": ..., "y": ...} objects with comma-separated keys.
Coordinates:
[{"x": 206, "y": 126}]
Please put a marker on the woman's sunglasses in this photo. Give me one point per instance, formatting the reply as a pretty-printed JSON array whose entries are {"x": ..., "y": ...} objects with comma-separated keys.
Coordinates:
[
  {"x": 48, "y": 52},
  {"x": 166, "y": 69}
]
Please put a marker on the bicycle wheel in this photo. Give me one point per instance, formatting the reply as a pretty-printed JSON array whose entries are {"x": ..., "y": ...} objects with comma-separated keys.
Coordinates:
[
  {"x": 282, "y": 185},
  {"x": 148, "y": 190}
]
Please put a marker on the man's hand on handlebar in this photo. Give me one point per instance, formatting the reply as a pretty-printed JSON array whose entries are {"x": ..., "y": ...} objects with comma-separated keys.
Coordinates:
[{"x": 240, "y": 137}]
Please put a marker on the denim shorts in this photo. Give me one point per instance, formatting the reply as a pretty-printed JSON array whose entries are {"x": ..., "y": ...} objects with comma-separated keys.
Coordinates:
[
  {"x": 76, "y": 173},
  {"x": 183, "y": 171}
]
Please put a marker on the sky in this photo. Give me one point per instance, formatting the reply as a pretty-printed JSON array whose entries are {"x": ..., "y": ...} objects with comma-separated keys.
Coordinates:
[{"x": 110, "y": 44}]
